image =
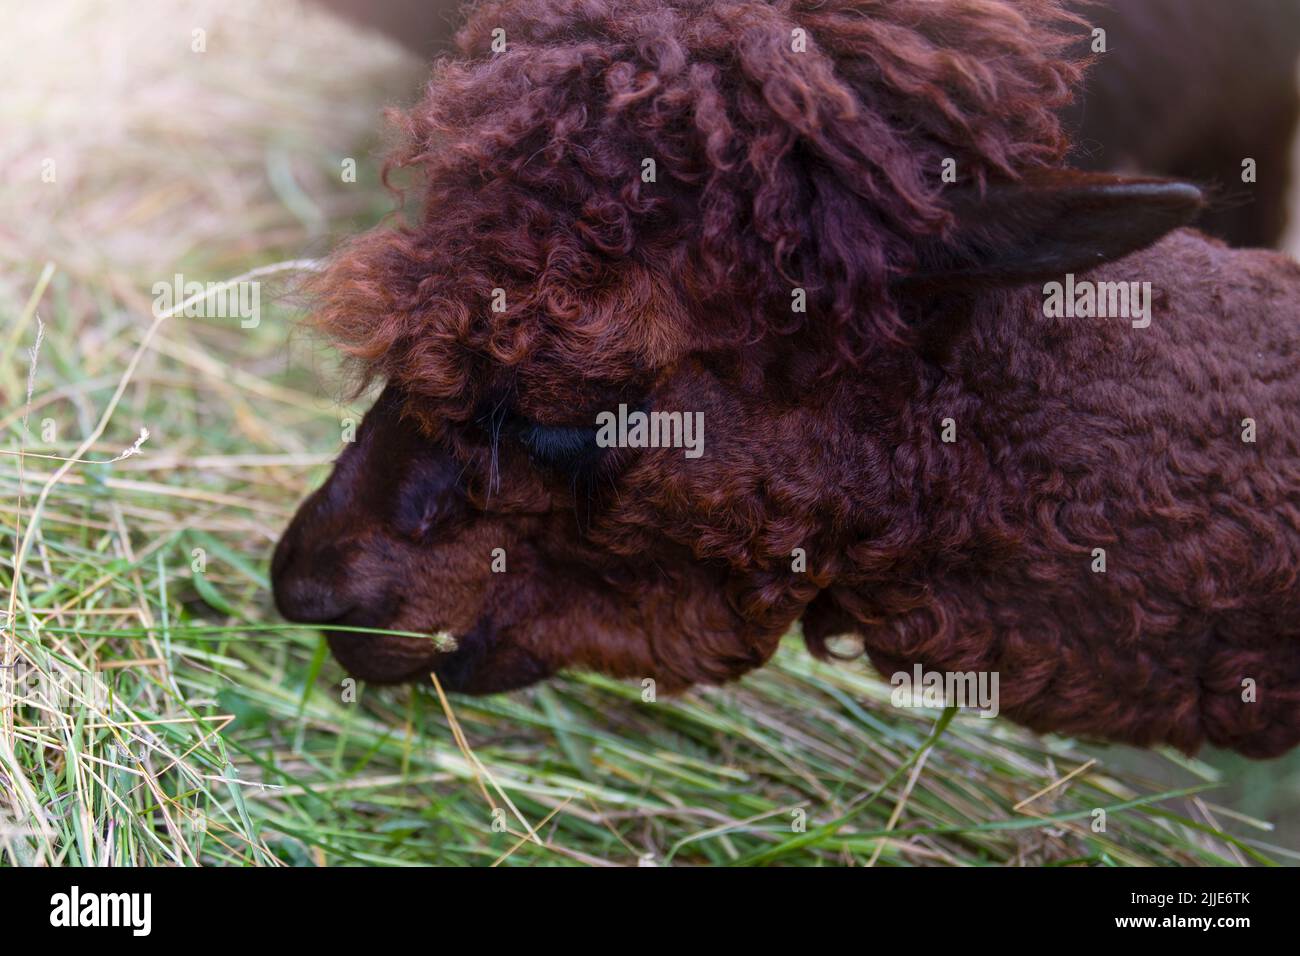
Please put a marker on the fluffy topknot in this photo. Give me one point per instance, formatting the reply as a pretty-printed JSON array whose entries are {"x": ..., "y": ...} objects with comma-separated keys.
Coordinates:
[{"x": 797, "y": 143}]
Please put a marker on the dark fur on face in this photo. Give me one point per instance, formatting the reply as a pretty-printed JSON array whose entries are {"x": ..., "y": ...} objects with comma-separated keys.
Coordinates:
[{"x": 778, "y": 170}]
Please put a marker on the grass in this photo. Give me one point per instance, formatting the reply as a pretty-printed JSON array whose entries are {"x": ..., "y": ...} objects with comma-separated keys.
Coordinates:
[{"x": 210, "y": 732}]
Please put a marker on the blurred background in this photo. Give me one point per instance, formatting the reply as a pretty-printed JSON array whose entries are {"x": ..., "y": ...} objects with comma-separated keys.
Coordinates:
[{"x": 153, "y": 138}]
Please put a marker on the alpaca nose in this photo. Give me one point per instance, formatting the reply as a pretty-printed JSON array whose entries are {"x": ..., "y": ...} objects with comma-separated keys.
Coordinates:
[
  {"x": 302, "y": 592},
  {"x": 309, "y": 602}
]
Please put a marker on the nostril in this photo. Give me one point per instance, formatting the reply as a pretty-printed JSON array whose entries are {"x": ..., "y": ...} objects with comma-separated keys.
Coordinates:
[
  {"x": 308, "y": 601},
  {"x": 301, "y": 592}
]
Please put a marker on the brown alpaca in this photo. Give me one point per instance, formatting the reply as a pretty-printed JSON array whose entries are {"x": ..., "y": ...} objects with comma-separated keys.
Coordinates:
[{"x": 739, "y": 211}]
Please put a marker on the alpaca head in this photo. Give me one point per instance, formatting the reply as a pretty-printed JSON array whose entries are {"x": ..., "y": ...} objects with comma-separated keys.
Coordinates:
[{"x": 756, "y": 224}]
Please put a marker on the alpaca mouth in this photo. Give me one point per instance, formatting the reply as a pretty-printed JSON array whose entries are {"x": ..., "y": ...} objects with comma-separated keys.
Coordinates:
[
  {"x": 479, "y": 661},
  {"x": 382, "y": 625},
  {"x": 388, "y": 658}
]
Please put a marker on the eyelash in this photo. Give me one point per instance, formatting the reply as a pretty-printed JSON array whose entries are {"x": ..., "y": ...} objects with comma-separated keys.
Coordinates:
[
  {"x": 560, "y": 446},
  {"x": 565, "y": 448}
]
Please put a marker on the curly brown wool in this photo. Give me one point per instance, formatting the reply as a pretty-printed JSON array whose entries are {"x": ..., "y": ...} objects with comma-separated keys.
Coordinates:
[{"x": 798, "y": 148}]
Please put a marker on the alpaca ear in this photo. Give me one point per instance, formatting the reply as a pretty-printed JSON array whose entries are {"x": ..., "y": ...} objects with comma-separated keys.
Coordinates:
[{"x": 1052, "y": 223}]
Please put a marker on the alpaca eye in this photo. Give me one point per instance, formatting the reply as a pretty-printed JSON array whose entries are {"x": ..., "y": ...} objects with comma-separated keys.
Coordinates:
[{"x": 570, "y": 448}]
